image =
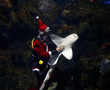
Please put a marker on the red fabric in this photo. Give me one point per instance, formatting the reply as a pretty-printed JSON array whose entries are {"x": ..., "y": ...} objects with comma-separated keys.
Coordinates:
[
  {"x": 40, "y": 49},
  {"x": 42, "y": 26}
]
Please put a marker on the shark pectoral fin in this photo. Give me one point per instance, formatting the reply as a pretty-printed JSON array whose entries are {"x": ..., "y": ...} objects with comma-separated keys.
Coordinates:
[{"x": 68, "y": 54}]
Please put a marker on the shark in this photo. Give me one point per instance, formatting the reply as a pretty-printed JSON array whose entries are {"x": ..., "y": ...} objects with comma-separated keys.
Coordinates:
[{"x": 67, "y": 43}]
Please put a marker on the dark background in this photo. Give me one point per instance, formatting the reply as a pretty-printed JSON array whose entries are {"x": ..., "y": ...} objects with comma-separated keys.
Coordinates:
[{"x": 17, "y": 24}]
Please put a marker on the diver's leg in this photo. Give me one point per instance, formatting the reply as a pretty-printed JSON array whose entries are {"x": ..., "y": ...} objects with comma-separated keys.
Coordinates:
[{"x": 46, "y": 79}]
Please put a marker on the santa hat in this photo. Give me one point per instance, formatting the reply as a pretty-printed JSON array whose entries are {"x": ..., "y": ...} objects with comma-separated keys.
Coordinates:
[{"x": 42, "y": 27}]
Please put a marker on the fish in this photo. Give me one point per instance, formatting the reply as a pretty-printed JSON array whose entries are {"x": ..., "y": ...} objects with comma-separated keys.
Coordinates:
[{"x": 67, "y": 42}]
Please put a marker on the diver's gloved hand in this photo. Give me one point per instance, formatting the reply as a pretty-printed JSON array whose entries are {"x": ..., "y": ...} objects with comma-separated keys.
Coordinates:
[
  {"x": 50, "y": 53},
  {"x": 60, "y": 48},
  {"x": 48, "y": 30}
]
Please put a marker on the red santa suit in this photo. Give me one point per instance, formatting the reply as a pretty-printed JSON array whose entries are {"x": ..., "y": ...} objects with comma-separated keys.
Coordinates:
[
  {"x": 41, "y": 49},
  {"x": 39, "y": 46}
]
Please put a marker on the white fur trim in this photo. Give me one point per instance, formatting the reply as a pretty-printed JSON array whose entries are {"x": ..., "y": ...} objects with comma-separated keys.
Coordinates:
[
  {"x": 35, "y": 69},
  {"x": 47, "y": 29},
  {"x": 37, "y": 17}
]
